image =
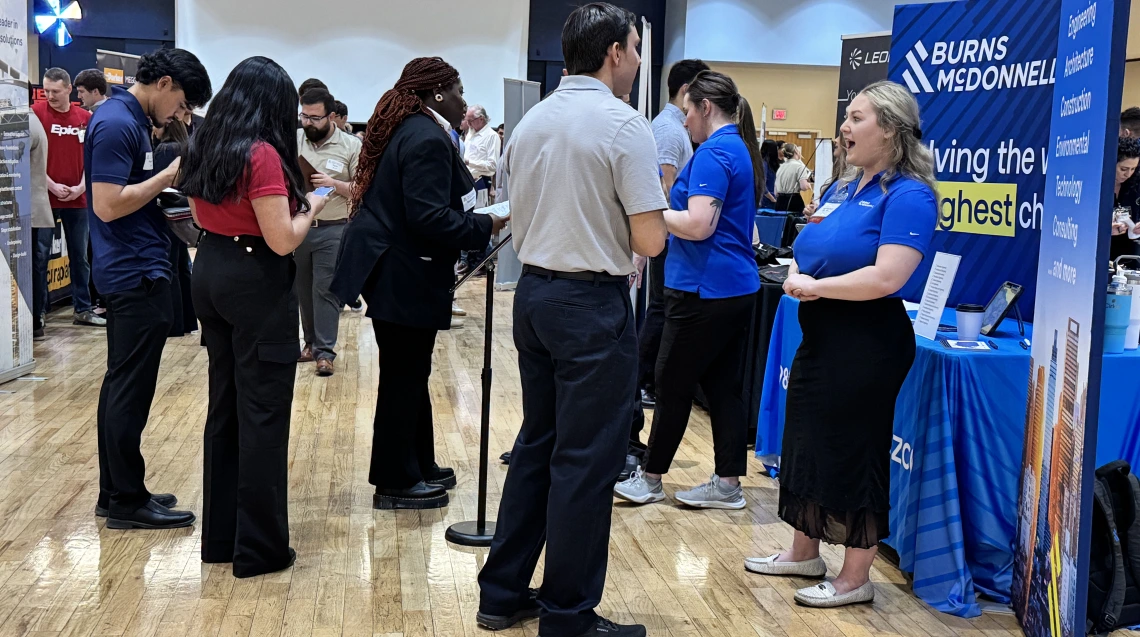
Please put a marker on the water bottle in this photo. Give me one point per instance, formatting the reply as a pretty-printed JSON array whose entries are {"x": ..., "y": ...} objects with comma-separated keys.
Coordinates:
[
  {"x": 1132, "y": 338},
  {"x": 1117, "y": 314}
]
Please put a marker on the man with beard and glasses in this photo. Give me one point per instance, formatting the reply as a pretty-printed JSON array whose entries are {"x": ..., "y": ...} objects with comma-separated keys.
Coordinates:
[{"x": 334, "y": 154}]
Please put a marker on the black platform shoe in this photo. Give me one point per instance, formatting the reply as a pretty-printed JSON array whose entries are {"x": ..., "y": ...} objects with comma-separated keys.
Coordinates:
[{"x": 420, "y": 496}]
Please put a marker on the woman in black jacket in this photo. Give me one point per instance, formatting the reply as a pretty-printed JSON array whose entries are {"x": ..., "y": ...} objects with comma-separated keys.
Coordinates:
[{"x": 412, "y": 202}]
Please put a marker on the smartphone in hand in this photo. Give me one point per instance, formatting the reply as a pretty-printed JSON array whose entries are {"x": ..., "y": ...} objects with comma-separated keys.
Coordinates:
[{"x": 324, "y": 191}]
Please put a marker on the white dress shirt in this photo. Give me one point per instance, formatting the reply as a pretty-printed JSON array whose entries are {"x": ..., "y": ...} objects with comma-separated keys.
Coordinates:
[{"x": 482, "y": 152}]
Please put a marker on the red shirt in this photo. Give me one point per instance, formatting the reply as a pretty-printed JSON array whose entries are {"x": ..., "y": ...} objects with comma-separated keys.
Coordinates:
[
  {"x": 65, "y": 132},
  {"x": 263, "y": 178}
]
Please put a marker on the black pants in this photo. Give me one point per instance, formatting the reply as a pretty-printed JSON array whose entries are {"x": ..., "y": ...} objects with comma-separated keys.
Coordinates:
[
  {"x": 648, "y": 345},
  {"x": 578, "y": 364},
  {"x": 704, "y": 342},
  {"x": 243, "y": 293},
  {"x": 181, "y": 299},
  {"x": 137, "y": 322},
  {"x": 403, "y": 443}
]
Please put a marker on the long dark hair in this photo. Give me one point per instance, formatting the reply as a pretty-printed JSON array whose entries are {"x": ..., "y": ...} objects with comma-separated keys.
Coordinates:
[
  {"x": 770, "y": 151},
  {"x": 721, "y": 91},
  {"x": 405, "y": 98},
  {"x": 257, "y": 103}
]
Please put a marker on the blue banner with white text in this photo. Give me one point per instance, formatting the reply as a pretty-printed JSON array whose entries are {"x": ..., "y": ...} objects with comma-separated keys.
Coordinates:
[{"x": 983, "y": 73}]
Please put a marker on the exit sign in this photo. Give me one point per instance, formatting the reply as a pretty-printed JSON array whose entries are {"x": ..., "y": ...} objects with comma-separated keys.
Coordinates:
[{"x": 780, "y": 114}]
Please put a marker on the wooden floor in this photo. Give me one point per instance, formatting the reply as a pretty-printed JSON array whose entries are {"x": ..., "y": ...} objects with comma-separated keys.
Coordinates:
[{"x": 359, "y": 571}]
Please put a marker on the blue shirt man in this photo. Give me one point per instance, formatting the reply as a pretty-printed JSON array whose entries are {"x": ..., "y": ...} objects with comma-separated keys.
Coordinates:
[
  {"x": 723, "y": 265},
  {"x": 118, "y": 151},
  {"x": 855, "y": 224}
]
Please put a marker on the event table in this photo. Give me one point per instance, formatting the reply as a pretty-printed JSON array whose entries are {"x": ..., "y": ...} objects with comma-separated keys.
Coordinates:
[{"x": 957, "y": 450}]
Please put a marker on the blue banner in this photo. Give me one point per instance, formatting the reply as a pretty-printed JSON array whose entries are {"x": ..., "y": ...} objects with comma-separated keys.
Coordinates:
[
  {"x": 1050, "y": 581},
  {"x": 983, "y": 74}
]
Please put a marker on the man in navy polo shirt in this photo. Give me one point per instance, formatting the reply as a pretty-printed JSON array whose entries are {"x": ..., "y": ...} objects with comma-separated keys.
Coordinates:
[{"x": 130, "y": 244}]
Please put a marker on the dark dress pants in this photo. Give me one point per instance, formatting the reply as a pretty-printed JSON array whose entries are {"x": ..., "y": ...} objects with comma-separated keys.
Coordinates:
[
  {"x": 41, "y": 253},
  {"x": 578, "y": 364},
  {"x": 137, "y": 322},
  {"x": 403, "y": 443},
  {"x": 243, "y": 293},
  {"x": 648, "y": 344},
  {"x": 704, "y": 342}
]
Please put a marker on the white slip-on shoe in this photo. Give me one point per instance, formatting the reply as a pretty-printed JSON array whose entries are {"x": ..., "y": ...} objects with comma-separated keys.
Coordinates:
[
  {"x": 823, "y": 595},
  {"x": 769, "y": 566}
]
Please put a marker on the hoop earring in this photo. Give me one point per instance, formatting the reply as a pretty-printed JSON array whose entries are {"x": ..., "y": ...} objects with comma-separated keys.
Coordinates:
[{"x": 438, "y": 97}]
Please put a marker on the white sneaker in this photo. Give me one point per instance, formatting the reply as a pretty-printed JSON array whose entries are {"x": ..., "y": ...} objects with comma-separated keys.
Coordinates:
[
  {"x": 823, "y": 595},
  {"x": 640, "y": 489},
  {"x": 456, "y": 321},
  {"x": 769, "y": 566},
  {"x": 714, "y": 494},
  {"x": 457, "y": 311}
]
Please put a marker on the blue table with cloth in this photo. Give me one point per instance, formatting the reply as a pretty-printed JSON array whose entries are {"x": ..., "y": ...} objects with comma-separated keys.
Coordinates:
[{"x": 958, "y": 440}]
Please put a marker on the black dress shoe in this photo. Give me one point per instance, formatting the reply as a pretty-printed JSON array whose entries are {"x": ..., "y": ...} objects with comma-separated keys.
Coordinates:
[
  {"x": 165, "y": 499},
  {"x": 151, "y": 515},
  {"x": 528, "y": 610},
  {"x": 443, "y": 476},
  {"x": 606, "y": 628},
  {"x": 420, "y": 496},
  {"x": 631, "y": 464},
  {"x": 244, "y": 572},
  {"x": 506, "y": 457}
]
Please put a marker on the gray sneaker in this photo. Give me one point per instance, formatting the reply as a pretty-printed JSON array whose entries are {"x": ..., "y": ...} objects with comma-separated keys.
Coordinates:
[
  {"x": 713, "y": 494},
  {"x": 640, "y": 489},
  {"x": 89, "y": 318}
]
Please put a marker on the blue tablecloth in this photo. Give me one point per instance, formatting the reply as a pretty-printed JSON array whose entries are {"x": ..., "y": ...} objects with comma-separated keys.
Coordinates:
[{"x": 958, "y": 441}]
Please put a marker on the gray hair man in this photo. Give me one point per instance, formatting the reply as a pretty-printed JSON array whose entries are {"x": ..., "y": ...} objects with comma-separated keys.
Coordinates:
[{"x": 482, "y": 148}]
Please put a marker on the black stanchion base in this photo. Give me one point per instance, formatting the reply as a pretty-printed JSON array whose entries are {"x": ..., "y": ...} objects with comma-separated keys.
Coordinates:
[{"x": 467, "y": 534}]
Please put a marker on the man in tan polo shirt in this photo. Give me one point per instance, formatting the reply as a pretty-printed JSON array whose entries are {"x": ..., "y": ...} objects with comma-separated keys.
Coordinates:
[{"x": 334, "y": 154}]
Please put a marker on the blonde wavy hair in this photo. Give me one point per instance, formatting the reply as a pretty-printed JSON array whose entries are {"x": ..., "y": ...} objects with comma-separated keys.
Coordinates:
[{"x": 897, "y": 113}]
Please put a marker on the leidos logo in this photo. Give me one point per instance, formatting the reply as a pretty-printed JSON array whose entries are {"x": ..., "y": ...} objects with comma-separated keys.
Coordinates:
[
  {"x": 56, "y": 129},
  {"x": 974, "y": 65},
  {"x": 858, "y": 58}
]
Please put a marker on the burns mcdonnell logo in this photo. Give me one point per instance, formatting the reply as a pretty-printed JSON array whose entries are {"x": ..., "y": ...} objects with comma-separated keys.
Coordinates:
[
  {"x": 972, "y": 65},
  {"x": 859, "y": 58}
]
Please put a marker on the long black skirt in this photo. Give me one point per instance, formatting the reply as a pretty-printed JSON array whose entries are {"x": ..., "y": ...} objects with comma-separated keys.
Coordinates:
[{"x": 835, "y": 462}]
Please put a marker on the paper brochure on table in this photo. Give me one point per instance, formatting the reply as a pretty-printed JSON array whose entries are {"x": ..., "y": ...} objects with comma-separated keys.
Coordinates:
[
  {"x": 501, "y": 210},
  {"x": 934, "y": 297},
  {"x": 974, "y": 345}
]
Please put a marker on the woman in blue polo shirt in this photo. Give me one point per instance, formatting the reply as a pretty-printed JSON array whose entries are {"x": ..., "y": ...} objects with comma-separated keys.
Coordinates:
[
  {"x": 871, "y": 231},
  {"x": 710, "y": 285}
]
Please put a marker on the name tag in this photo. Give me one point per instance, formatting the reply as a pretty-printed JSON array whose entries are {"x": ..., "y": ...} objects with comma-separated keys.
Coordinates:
[
  {"x": 469, "y": 201},
  {"x": 148, "y": 163},
  {"x": 334, "y": 165},
  {"x": 82, "y": 135},
  {"x": 825, "y": 210}
]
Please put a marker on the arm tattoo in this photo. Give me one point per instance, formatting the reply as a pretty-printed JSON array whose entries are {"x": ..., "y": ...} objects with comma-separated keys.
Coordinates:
[{"x": 717, "y": 204}]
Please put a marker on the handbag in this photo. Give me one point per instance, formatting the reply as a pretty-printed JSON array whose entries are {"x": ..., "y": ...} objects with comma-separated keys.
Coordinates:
[{"x": 176, "y": 208}]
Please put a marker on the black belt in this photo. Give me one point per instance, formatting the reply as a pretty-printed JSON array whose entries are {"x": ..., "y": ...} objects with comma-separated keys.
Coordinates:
[
  {"x": 593, "y": 277},
  {"x": 321, "y": 223}
]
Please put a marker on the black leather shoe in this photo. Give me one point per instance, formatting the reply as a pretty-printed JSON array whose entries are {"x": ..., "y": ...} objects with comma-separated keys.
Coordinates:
[
  {"x": 443, "y": 476},
  {"x": 165, "y": 499},
  {"x": 242, "y": 573},
  {"x": 631, "y": 464},
  {"x": 420, "y": 496},
  {"x": 502, "y": 622},
  {"x": 506, "y": 457},
  {"x": 606, "y": 628},
  {"x": 151, "y": 515}
]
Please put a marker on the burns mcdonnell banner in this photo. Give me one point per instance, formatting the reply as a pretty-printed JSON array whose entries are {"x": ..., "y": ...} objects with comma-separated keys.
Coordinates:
[
  {"x": 1051, "y": 556},
  {"x": 864, "y": 62},
  {"x": 983, "y": 74},
  {"x": 118, "y": 68}
]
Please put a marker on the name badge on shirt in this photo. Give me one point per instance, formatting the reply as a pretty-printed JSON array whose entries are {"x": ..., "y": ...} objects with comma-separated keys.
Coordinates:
[
  {"x": 825, "y": 210},
  {"x": 469, "y": 201},
  {"x": 148, "y": 163},
  {"x": 82, "y": 135},
  {"x": 334, "y": 165}
]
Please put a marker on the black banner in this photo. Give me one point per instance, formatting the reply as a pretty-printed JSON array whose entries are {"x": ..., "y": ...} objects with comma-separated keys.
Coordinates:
[
  {"x": 118, "y": 68},
  {"x": 865, "y": 61}
]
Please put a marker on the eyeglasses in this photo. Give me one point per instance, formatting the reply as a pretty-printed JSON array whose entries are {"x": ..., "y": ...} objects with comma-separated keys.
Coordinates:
[{"x": 312, "y": 119}]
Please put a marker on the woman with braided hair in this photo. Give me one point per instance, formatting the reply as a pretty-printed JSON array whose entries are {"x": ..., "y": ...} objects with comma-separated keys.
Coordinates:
[{"x": 412, "y": 202}]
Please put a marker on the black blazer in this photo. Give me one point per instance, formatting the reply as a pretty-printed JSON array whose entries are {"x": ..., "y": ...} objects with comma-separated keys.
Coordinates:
[{"x": 400, "y": 249}]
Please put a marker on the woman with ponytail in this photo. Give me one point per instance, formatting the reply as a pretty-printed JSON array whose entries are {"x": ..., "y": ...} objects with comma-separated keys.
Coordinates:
[
  {"x": 710, "y": 285},
  {"x": 412, "y": 202}
]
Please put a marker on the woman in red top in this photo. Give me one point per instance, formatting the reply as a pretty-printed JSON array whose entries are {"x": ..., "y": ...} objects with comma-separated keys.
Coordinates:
[{"x": 247, "y": 192}]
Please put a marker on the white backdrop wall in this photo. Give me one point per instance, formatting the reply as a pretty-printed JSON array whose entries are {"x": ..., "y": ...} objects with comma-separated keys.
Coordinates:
[{"x": 359, "y": 47}]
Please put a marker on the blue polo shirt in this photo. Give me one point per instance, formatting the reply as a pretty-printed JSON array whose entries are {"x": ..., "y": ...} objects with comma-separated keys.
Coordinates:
[
  {"x": 848, "y": 238},
  {"x": 723, "y": 265},
  {"x": 117, "y": 151}
]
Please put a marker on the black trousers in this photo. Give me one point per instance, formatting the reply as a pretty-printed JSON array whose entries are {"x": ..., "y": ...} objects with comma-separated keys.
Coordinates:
[
  {"x": 648, "y": 345},
  {"x": 403, "y": 434},
  {"x": 705, "y": 341},
  {"x": 243, "y": 293},
  {"x": 137, "y": 323},
  {"x": 578, "y": 364},
  {"x": 181, "y": 298}
]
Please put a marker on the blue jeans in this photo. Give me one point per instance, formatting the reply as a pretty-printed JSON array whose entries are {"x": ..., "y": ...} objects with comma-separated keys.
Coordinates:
[
  {"x": 41, "y": 240},
  {"x": 577, "y": 347},
  {"x": 78, "y": 235}
]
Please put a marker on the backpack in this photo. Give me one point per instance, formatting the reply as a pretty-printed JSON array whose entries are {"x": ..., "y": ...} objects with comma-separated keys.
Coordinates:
[{"x": 1114, "y": 558}]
